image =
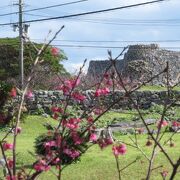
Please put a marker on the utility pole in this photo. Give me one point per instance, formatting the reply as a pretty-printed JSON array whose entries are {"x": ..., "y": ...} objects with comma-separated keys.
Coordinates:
[{"x": 21, "y": 40}]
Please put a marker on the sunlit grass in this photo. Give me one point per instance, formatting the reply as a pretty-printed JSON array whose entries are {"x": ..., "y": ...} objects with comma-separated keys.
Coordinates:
[{"x": 96, "y": 164}]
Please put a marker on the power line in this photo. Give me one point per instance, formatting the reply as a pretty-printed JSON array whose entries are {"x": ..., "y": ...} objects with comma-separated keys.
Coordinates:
[
  {"x": 96, "y": 41},
  {"x": 103, "y": 47},
  {"x": 117, "y": 19},
  {"x": 115, "y": 41},
  {"x": 130, "y": 23},
  {"x": 42, "y": 8},
  {"x": 96, "y": 46},
  {"x": 89, "y": 13}
]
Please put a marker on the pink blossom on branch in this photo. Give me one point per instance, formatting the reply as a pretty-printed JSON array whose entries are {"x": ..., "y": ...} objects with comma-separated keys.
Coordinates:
[
  {"x": 50, "y": 144},
  {"x": 90, "y": 120},
  {"x": 10, "y": 163},
  {"x": 72, "y": 123},
  {"x": 18, "y": 130},
  {"x": 29, "y": 94},
  {"x": 7, "y": 146},
  {"x": 68, "y": 85},
  {"x": 164, "y": 173},
  {"x": 93, "y": 137},
  {"x": 11, "y": 177},
  {"x": 55, "y": 51},
  {"x": 56, "y": 161},
  {"x": 104, "y": 142},
  {"x": 55, "y": 116},
  {"x": 162, "y": 123},
  {"x": 13, "y": 92},
  {"x": 56, "y": 109},
  {"x": 71, "y": 153},
  {"x": 41, "y": 166},
  {"x": 76, "y": 138},
  {"x": 119, "y": 149},
  {"x": 106, "y": 75},
  {"x": 102, "y": 92},
  {"x": 176, "y": 124},
  {"x": 77, "y": 96}
]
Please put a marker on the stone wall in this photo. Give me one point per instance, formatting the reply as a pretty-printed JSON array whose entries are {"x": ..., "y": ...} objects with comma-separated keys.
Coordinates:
[
  {"x": 141, "y": 60},
  {"x": 145, "y": 99}
]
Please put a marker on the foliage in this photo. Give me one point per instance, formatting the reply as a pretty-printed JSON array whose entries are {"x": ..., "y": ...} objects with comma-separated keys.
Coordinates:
[
  {"x": 5, "y": 115},
  {"x": 9, "y": 60}
]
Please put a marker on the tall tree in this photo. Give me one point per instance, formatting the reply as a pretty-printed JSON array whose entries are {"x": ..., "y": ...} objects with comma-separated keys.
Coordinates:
[{"x": 10, "y": 65}]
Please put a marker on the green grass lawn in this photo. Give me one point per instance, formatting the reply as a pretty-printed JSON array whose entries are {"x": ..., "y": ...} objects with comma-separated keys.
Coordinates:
[
  {"x": 130, "y": 115},
  {"x": 96, "y": 164},
  {"x": 157, "y": 88}
]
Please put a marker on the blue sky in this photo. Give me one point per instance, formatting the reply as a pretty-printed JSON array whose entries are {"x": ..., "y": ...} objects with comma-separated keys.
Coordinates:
[{"x": 98, "y": 27}]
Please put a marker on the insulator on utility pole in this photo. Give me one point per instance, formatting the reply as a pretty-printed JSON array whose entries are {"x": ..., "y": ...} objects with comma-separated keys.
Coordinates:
[
  {"x": 15, "y": 27},
  {"x": 26, "y": 26}
]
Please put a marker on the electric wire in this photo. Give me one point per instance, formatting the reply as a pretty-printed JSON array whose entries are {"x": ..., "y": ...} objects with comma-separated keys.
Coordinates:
[
  {"x": 89, "y": 12},
  {"x": 126, "y": 23},
  {"x": 42, "y": 8},
  {"x": 96, "y": 46}
]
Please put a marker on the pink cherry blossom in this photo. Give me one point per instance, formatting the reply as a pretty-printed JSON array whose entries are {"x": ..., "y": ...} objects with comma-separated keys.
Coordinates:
[
  {"x": 77, "y": 96},
  {"x": 109, "y": 82},
  {"x": 56, "y": 109},
  {"x": 72, "y": 123},
  {"x": 162, "y": 124},
  {"x": 97, "y": 111},
  {"x": 98, "y": 93},
  {"x": 18, "y": 130},
  {"x": 90, "y": 120},
  {"x": 76, "y": 138},
  {"x": 29, "y": 94},
  {"x": 13, "y": 92},
  {"x": 56, "y": 161},
  {"x": 175, "y": 124},
  {"x": 119, "y": 149},
  {"x": 54, "y": 51},
  {"x": 106, "y": 75},
  {"x": 10, "y": 163},
  {"x": 69, "y": 85},
  {"x": 71, "y": 153},
  {"x": 104, "y": 142},
  {"x": 50, "y": 144},
  {"x": 164, "y": 173},
  {"x": 105, "y": 91},
  {"x": 102, "y": 92},
  {"x": 7, "y": 146},
  {"x": 55, "y": 116},
  {"x": 11, "y": 177},
  {"x": 41, "y": 166},
  {"x": 93, "y": 137},
  {"x": 58, "y": 140}
]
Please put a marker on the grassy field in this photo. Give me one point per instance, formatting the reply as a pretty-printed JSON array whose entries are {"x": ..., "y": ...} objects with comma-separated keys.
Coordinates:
[
  {"x": 157, "y": 88},
  {"x": 96, "y": 164},
  {"x": 132, "y": 115}
]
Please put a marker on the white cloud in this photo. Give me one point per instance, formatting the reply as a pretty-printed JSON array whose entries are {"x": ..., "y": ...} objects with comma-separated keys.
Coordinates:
[{"x": 75, "y": 67}]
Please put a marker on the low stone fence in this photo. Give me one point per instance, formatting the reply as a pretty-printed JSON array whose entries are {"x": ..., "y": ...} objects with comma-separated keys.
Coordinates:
[{"x": 144, "y": 99}]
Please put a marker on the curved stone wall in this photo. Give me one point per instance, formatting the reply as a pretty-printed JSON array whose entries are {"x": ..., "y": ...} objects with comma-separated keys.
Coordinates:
[{"x": 145, "y": 99}]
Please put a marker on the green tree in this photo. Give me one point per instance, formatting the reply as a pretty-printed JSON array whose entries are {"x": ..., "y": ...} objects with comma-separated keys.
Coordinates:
[{"x": 10, "y": 65}]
